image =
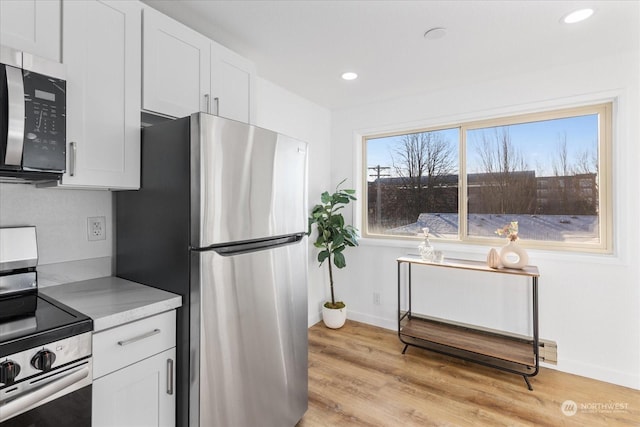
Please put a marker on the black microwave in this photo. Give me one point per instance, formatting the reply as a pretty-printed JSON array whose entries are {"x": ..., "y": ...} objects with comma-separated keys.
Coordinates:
[{"x": 32, "y": 118}]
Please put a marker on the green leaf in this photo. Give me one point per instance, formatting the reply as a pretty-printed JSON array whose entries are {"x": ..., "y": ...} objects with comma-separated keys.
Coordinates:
[
  {"x": 325, "y": 197},
  {"x": 338, "y": 260},
  {"x": 336, "y": 249},
  {"x": 323, "y": 255}
]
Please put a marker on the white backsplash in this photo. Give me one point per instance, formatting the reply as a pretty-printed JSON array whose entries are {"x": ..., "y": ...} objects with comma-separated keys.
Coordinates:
[{"x": 60, "y": 216}]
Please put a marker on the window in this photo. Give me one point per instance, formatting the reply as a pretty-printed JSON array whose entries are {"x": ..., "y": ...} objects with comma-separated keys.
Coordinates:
[{"x": 547, "y": 171}]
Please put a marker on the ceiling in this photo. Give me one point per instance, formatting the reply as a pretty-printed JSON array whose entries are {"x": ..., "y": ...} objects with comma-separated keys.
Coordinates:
[{"x": 304, "y": 46}]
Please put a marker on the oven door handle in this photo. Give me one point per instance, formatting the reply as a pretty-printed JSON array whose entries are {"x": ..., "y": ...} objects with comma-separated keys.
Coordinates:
[{"x": 20, "y": 404}]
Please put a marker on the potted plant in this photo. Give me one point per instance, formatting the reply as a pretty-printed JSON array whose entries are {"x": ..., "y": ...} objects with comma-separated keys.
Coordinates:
[{"x": 334, "y": 236}]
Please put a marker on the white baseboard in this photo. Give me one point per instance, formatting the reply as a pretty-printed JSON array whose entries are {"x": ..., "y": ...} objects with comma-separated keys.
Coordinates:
[
  {"x": 314, "y": 318},
  {"x": 373, "y": 320},
  {"x": 597, "y": 373}
]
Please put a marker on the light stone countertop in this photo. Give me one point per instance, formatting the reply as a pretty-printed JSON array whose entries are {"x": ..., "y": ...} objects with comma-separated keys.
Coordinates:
[{"x": 112, "y": 301}]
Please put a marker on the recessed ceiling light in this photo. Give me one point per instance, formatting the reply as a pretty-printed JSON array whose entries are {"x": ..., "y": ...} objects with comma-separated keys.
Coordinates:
[
  {"x": 435, "y": 33},
  {"x": 349, "y": 75},
  {"x": 577, "y": 16}
]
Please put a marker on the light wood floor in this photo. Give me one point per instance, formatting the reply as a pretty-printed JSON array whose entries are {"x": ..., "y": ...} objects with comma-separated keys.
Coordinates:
[{"x": 358, "y": 377}]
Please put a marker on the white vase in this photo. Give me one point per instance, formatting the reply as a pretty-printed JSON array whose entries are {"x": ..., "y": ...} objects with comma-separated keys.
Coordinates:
[
  {"x": 493, "y": 259},
  {"x": 512, "y": 255},
  {"x": 334, "y": 318}
]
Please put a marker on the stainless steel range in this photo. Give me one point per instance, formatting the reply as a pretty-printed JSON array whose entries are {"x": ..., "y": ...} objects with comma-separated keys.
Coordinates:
[{"x": 45, "y": 346}]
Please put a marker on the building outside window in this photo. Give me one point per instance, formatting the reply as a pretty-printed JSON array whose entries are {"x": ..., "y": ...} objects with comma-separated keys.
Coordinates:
[{"x": 548, "y": 171}]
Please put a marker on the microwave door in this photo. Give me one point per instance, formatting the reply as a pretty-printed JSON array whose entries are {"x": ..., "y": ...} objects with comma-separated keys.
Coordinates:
[{"x": 13, "y": 146}]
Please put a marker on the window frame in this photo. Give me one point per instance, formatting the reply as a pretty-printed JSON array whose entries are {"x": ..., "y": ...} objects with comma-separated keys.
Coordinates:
[{"x": 604, "y": 110}]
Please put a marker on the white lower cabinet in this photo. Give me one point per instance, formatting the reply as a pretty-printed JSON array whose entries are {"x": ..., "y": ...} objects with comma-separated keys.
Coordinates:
[
  {"x": 142, "y": 394},
  {"x": 134, "y": 373}
]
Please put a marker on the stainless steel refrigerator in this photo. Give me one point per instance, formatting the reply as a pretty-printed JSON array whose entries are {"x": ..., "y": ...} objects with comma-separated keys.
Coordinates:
[{"x": 220, "y": 219}]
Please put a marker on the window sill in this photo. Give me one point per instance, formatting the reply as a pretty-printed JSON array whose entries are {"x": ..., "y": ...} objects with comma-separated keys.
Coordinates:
[{"x": 480, "y": 251}]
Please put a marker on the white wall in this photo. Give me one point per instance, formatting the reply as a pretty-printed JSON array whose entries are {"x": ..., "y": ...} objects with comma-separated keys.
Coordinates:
[
  {"x": 287, "y": 113},
  {"x": 589, "y": 304}
]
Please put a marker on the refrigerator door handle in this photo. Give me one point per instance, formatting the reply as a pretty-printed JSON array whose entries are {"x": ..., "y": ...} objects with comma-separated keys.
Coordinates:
[{"x": 236, "y": 248}]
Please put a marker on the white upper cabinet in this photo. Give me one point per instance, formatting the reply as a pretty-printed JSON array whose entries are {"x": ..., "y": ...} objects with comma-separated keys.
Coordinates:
[
  {"x": 32, "y": 26},
  {"x": 102, "y": 54},
  {"x": 232, "y": 80},
  {"x": 184, "y": 72},
  {"x": 175, "y": 67}
]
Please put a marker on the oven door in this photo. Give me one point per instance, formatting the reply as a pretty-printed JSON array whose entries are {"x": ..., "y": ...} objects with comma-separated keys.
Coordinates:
[{"x": 61, "y": 397}]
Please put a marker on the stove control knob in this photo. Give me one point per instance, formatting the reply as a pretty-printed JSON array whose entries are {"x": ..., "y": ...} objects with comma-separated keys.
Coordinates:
[
  {"x": 43, "y": 360},
  {"x": 9, "y": 370}
]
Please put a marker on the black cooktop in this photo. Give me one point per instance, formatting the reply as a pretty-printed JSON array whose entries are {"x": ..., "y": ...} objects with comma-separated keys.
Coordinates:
[{"x": 44, "y": 320}]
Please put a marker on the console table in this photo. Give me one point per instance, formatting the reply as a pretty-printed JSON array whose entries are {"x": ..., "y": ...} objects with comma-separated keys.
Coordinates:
[{"x": 501, "y": 350}]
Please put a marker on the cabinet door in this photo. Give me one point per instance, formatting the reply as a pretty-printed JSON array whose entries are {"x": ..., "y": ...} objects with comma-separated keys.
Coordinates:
[
  {"x": 142, "y": 394},
  {"x": 232, "y": 78},
  {"x": 175, "y": 67},
  {"x": 32, "y": 26},
  {"x": 102, "y": 43}
]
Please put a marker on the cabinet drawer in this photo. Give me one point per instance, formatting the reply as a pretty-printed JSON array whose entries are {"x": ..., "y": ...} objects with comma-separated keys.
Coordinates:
[{"x": 121, "y": 346}]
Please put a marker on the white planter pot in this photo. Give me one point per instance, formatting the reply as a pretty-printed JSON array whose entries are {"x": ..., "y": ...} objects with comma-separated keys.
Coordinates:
[{"x": 334, "y": 318}]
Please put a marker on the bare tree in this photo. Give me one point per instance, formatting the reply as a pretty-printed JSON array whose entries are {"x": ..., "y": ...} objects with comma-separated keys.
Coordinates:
[
  {"x": 422, "y": 160},
  {"x": 506, "y": 185},
  {"x": 574, "y": 187},
  {"x": 561, "y": 163},
  {"x": 586, "y": 162},
  {"x": 561, "y": 170}
]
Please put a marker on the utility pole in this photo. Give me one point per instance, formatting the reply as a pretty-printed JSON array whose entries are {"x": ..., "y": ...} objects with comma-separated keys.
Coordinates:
[{"x": 377, "y": 174}]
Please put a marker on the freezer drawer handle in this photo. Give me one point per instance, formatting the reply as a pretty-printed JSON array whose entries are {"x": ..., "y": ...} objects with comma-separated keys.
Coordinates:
[
  {"x": 253, "y": 246},
  {"x": 138, "y": 338}
]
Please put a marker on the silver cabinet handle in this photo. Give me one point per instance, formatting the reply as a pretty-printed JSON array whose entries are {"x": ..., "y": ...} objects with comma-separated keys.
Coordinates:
[
  {"x": 15, "y": 128},
  {"x": 139, "y": 337},
  {"x": 73, "y": 147},
  {"x": 207, "y": 101},
  {"x": 217, "y": 101},
  {"x": 169, "y": 376}
]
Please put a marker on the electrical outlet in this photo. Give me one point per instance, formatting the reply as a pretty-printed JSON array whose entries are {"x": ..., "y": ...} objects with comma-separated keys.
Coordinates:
[
  {"x": 96, "y": 228},
  {"x": 376, "y": 298}
]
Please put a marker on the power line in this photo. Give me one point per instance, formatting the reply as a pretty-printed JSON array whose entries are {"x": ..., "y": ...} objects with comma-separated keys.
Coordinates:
[{"x": 378, "y": 174}]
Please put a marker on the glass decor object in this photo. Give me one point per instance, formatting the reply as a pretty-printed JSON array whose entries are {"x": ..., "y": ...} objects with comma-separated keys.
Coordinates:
[{"x": 425, "y": 248}]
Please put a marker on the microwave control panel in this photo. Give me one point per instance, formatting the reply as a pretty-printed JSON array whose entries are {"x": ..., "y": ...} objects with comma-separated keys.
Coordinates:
[{"x": 45, "y": 102}]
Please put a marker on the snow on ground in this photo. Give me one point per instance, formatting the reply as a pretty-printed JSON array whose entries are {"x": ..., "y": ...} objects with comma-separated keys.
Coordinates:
[{"x": 532, "y": 227}]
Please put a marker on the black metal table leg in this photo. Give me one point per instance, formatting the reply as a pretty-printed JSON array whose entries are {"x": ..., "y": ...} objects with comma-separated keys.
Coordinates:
[{"x": 526, "y": 379}]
